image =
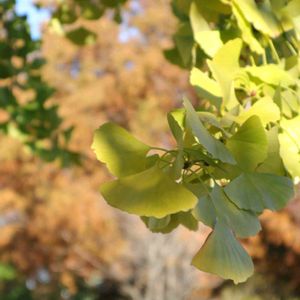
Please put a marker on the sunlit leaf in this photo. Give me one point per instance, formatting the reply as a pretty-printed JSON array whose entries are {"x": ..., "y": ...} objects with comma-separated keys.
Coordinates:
[
  {"x": 249, "y": 144},
  {"x": 123, "y": 154},
  {"x": 225, "y": 70},
  {"x": 273, "y": 163},
  {"x": 176, "y": 124},
  {"x": 264, "y": 108},
  {"x": 290, "y": 145},
  {"x": 150, "y": 193},
  {"x": 271, "y": 74},
  {"x": 206, "y": 87},
  {"x": 224, "y": 256},
  {"x": 209, "y": 40},
  {"x": 261, "y": 16},
  {"x": 257, "y": 191},
  {"x": 246, "y": 30},
  {"x": 212, "y": 9}
]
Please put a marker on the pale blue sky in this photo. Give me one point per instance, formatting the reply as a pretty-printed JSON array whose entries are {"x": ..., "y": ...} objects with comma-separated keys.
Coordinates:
[{"x": 35, "y": 16}]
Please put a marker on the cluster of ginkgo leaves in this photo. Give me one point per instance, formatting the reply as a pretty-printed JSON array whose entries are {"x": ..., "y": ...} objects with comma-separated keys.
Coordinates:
[
  {"x": 24, "y": 96},
  {"x": 236, "y": 157}
]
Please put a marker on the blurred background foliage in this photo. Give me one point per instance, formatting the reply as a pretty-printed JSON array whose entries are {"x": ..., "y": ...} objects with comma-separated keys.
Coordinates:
[{"x": 58, "y": 239}]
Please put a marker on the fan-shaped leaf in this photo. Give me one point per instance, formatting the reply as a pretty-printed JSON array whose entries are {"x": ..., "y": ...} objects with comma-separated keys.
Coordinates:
[
  {"x": 273, "y": 163},
  {"x": 224, "y": 256},
  {"x": 257, "y": 191},
  {"x": 150, "y": 193},
  {"x": 123, "y": 153},
  {"x": 243, "y": 223},
  {"x": 264, "y": 108},
  {"x": 249, "y": 144},
  {"x": 206, "y": 87},
  {"x": 225, "y": 70},
  {"x": 271, "y": 74},
  {"x": 261, "y": 16}
]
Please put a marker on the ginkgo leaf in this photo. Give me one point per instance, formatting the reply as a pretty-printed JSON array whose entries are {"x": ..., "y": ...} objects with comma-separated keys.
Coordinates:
[
  {"x": 150, "y": 193},
  {"x": 249, "y": 145},
  {"x": 271, "y": 74},
  {"x": 261, "y": 16},
  {"x": 246, "y": 30},
  {"x": 264, "y": 108},
  {"x": 212, "y": 9},
  {"x": 206, "y": 87},
  {"x": 225, "y": 70},
  {"x": 171, "y": 222},
  {"x": 198, "y": 22},
  {"x": 177, "y": 165},
  {"x": 186, "y": 219},
  {"x": 184, "y": 42},
  {"x": 210, "y": 41},
  {"x": 155, "y": 224},
  {"x": 223, "y": 255},
  {"x": 123, "y": 154},
  {"x": 273, "y": 164},
  {"x": 289, "y": 141},
  {"x": 257, "y": 191},
  {"x": 205, "y": 211},
  {"x": 243, "y": 223},
  {"x": 176, "y": 124},
  {"x": 211, "y": 144},
  {"x": 291, "y": 11}
]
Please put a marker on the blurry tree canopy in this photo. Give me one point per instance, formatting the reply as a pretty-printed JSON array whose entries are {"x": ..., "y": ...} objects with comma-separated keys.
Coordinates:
[{"x": 237, "y": 155}]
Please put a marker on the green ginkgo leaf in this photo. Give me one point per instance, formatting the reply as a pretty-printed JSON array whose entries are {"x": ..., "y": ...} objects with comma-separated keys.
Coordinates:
[
  {"x": 211, "y": 144},
  {"x": 123, "y": 154},
  {"x": 184, "y": 42},
  {"x": 205, "y": 211},
  {"x": 155, "y": 224},
  {"x": 176, "y": 124},
  {"x": 209, "y": 40},
  {"x": 212, "y": 9},
  {"x": 246, "y": 30},
  {"x": 273, "y": 163},
  {"x": 225, "y": 70},
  {"x": 261, "y": 16},
  {"x": 271, "y": 74},
  {"x": 206, "y": 87},
  {"x": 150, "y": 193},
  {"x": 243, "y": 223},
  {"x": 223, "y": 255},
  {"x": 171, "y": 222},
  {"x": 289, "y": 141},
  {"x": 249, "y": 145},
  {"x": 264, "y": 108},
  {"x": 257, "y": 191},
  {"x": 291, "y": 12}
]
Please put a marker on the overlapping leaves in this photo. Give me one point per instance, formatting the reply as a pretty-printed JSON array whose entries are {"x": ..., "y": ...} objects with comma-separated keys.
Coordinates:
[
  {"x": 181, "y": 186},
  {"x": 239, "y": 158}
]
